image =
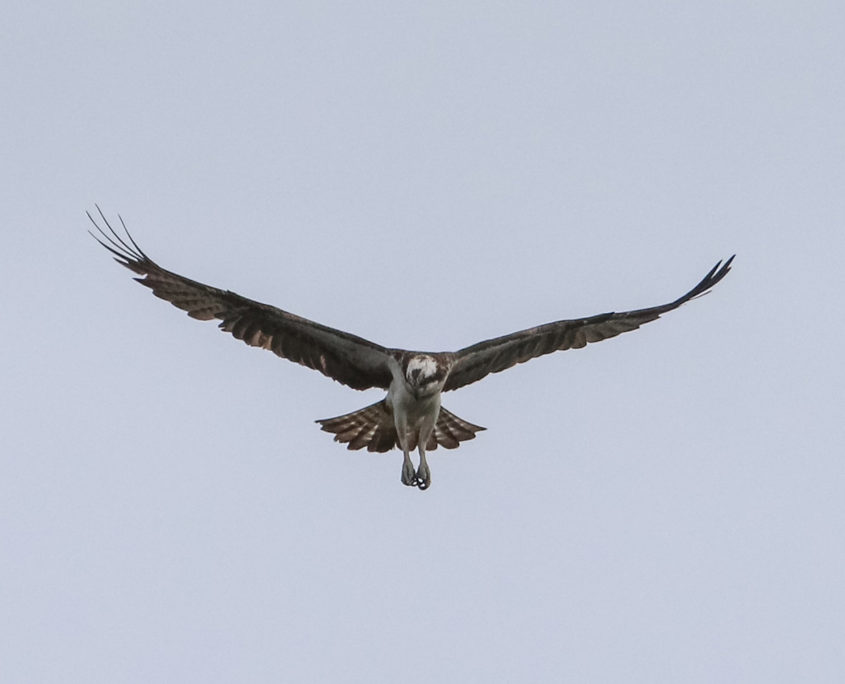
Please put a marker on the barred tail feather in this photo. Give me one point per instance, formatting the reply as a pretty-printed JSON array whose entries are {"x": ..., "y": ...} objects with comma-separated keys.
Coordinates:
[
  {"x": 373, "y": 427},
  {"x": 370, "y": 427},
  {"x": 450, "y": 430}
]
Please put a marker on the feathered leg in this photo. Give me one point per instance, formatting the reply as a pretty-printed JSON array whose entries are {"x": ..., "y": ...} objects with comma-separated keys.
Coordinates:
[
  {"x": 425, "y": 435},
  {"x": 423, "y": 475},
  {"x": 409, "y": 476}
]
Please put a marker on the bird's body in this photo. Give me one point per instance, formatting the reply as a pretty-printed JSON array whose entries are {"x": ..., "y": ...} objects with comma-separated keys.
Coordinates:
[
  {"x": 414, "y": 401},
  {"x": 410, "y": 416}
]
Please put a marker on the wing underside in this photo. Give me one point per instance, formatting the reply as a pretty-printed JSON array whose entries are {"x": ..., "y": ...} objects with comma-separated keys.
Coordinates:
[
  {"x": 355, "y": 361},
  {"x": 498, "y": 354},
  {"x": 351, "y": 360}
]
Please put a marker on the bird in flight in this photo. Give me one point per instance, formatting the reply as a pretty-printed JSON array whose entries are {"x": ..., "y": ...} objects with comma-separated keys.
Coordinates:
[{"x": 410, "y": 416}]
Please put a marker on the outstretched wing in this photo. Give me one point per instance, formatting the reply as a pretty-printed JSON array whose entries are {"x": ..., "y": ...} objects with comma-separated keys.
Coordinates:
[
  {"x": 475, "y": 362},
  {"x": 349, "y": 359}
]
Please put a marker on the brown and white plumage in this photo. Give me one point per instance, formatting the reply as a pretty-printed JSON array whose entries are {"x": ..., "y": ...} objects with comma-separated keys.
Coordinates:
[
  {"x": 410, "y": 416},
  {"x": 493, "y": 356}
]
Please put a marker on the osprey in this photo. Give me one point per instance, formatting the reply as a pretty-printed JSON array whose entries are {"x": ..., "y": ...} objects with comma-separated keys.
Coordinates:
[{"x": 410, "y": 416}]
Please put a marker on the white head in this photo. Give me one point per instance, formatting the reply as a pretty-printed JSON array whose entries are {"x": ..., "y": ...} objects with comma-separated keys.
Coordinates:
[{"x": 424, "y": 376}]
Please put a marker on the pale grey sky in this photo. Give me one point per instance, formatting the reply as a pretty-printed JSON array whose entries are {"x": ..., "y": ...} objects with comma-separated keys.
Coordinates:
[{"x": 666, "y": 506}]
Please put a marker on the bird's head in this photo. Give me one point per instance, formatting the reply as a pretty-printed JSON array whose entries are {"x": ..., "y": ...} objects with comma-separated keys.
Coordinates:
[{"x": 424, "y": 376}]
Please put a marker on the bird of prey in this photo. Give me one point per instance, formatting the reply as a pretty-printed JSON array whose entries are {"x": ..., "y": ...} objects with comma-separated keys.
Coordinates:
[{"x": 410, "y": 416}]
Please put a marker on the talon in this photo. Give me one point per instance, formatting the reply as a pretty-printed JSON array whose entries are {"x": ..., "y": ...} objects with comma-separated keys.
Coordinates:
[
  {"x": 409, "y": 477},
  {"x": 423, "y": 477}
]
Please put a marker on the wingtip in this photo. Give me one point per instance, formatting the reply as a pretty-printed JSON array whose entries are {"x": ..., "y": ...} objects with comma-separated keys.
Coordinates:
[
  {"x": 109, "y": 238},
  {"x": 722, "y": 269},
  {"x": 713, "y": 277}
]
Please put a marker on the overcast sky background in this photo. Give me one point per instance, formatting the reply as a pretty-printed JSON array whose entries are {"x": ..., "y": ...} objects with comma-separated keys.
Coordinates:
[{"x": 666, "y": 506}]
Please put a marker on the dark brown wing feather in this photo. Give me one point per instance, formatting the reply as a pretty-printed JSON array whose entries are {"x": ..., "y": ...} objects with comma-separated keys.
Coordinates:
[
  {"x": 475, "y": 362},
  {"x": 349, "y": 359}
]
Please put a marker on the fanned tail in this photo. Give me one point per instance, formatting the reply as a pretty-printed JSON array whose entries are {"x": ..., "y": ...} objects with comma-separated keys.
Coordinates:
[
  {"x": 373, "y": 427},
  {"x": 370, "y": 427},
  {"x": 450, "y": 431}
]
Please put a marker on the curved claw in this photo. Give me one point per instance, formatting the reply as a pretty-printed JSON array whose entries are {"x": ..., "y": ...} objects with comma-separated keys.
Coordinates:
[
  {"x": 409, "y": 477},
  {"x": 423, "y": 477}
]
